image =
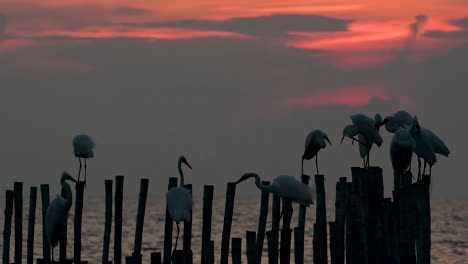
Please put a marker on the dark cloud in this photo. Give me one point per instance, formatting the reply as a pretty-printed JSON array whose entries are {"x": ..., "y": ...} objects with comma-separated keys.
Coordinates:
[
  {"x": 132, "y": 11},
  {"x": 260, "y": 24},
  {"x": 3, "y": 26},
  {"x": 416, "y": 27},
  {"x": 461, "y": 34}
]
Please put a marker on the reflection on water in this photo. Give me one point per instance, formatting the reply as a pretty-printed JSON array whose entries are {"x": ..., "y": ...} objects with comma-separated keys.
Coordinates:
[{"x": 449, "y": 228}]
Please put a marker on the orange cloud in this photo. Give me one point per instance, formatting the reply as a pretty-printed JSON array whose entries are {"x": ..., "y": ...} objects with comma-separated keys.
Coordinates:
[{"x": 352, "y": 96}]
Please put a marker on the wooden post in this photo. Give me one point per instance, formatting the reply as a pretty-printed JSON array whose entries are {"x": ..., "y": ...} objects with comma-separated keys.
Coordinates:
[
  {"x": 168, "y": 224},
  {"x": 236, "y": 250},
  {"x": 285, "y": 244},
  {"x": 9, "y": 196},
  {"x": 407, "y": 254},
  {"x": 18, "y": 192},
  {"x": 334, "y": 251},
  {"x": 79, "y": 190},
  {"x": 354, "y": 248},
  {"x": 209, "y": 253},
  {"x": 340, "y": 219},
  {"x": 298, "y": 245},
  {"x": 178, "y": 257},
  {"x": 228, "y": 210},
  {"x": 374, "y": 215},
  {"x": 388, "y": 242},
  {"x": 262, "y": 222},
  {"x": 140, "y": 220},
  {"x": 250, "y": 245},
  {"x": 155, "y": 258},
  {"x": 364, "y": 207},
  {"x": 207, "y": 213},
  {"x": 108, "y": 221},
  {"x": 187, "y": 243},
  {"x": 302, "y": 208},
  {"x": 320, "y": 228},
  {"x": 424, "y": 221},
  {"x": 64, "y": 240},
  {"x": 119, "y": 181},
  {"x": 31, "y": 222},
  {"x": 272, "y": 237},
  {"x": 45, "y": 204},
  {"x": 275, "y": 214}
]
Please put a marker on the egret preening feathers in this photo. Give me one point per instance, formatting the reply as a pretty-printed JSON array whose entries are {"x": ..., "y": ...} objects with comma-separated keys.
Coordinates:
[
  {"x": 57, "y": 213},
  {"x": 315, "y": 141},
  {"x": 400, "y": 119},
  {"x": 287, "y": 187},
  {"x": 179, "y": 200},
  {"x": 401, "y": 151},
  {"x": 83, "y": 146}
]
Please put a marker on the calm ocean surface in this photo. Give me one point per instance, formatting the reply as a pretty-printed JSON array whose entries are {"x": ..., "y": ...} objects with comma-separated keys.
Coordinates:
[{"x": 449, "y": 228}]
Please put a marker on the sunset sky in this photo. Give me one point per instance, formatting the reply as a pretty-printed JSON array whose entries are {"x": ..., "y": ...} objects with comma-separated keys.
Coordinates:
[{"x": 234, "y": 85}]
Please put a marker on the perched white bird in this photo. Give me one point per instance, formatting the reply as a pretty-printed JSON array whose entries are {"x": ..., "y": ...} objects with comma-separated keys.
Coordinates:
[
  {"x": 401, "y": 151},
  {"x": 314, "y": 142},
  {"x": 287, "y": 187},
  {"x": 83, "y": 146},
  {"x": 368, "y": 128},
  {"x": 400, "y": 119},
  {"x": 179, "y": 200},
  {"x": 427, "y": 145},
  {"x": 57, "y": 213}
]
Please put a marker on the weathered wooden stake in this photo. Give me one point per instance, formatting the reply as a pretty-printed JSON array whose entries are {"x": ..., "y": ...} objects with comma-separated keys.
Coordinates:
[
  {"x": 228, "y": 210},
  {"x": 168, "y": 224},
  {"x": 340, "y": 219},
  {"x": 320, "y": 227},
  {"x": 302, "y": 208},
  {"x": 375, "y": 227},
  {"x": 275, "y": 214},
  {"x": 155, "y": 258},
  {"x": 79, "y": 190},
  {"x": 64, "y": 240},
  {"x": 236, "y": 250},
  {"x": 262, "y": 222},
  {"x": 31, "y": 222},
  {"x": 118, "y": 219},
  {"x": 334, "y": 241},
  {"x": 140, "y": 220},
  {"x": 299, "y": 245},
  {"x": 187, "y": 243},
  {"x": 424, "y": 221},
  {"x": 178, "y": 257},
  {"x": 207, "y": 213},
  {"x": 45, "y": 204},
  {"x": 18, "y": 192},
  {"x": 364, "y": 207},
  {"x": 108, "y": 221},
  {"x": 9, "y": 196},
  {"x": 209, "y": 253},
  {"x": 272, "y": 238},
  {"x": 250, "y": 246},
  {"x": 285, "y": 244}
]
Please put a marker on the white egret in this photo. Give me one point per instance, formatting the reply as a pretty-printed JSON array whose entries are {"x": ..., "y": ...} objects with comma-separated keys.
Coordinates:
[
  {"x": 315, "y": 141},
  {"x": 83, "y": 146},
  {"x": 57, "y": 213},
  {"x": 179, "y": 200},
  {"x": 427, "y": 145},
  {"x": 400, "y": 119},
  {"x": 401, "y": 151},
  {"x": 287, "y": 187}
]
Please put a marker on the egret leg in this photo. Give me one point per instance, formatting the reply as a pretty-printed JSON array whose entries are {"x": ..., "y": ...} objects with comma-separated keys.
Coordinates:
[
  {"x": 430, "y": 170},
  {"x": 281, "y": 215},
  {"x": 290, "y": 210},
  {"x": 85, "y": 167},
  {"x": 177, "y": 239},
  {"x": 419, "y": 168},
  {"x": 364, "y": 162},
  {"x": 79, "y": 171},
  {"x": 302, "y": 167},
  {"x": 424, "y": 170},
  {"x": 316, "y": 163}
]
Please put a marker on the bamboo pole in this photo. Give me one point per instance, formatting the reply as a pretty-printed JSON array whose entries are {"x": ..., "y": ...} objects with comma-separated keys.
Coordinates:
[
  {"x": 285, "y": 245},
  {"x": 168, "y": 224},
  {"x": 187, "y": 243},
  {"x": 424, "y": 221},
  {"x": 31, "y": 222},
  {"x": 302, "y": 208},
  {"x": 228, "y": 210},
  {"x": 334, "y": 251},
  {"x": 207, "y": 214},
  {"x": 210, "y": 257},
  {"x": 374, "y": 220},
  {"x": 64, "y": 240},
  {"x": 272, "y": 238},
  {"x": 119, "y": 181},
  {"x": 79, "y": 190},
  {"x": 178, "y": 257},
  {"x": 340, "y": 219},
  {"x": 155, "y": 258},
  {"x": 9, "y": 196},
  {"x": 140, "y": 219},
  {"x": 250, "y": 245},
  {"x": 45, "y": 204},
  {"x": 108, "y": 221},
  {"x": 275, "y": 214},
  {"x": 18, "y": 203},
  {"x": 320, "y": 228},
  {"x": 236, "y": 250},
  {"x": 299, "y": 245},
  {"x": 406, "y": 243},
  {"x": 262, "y": 222},
  {"x": 388, "y": 252},
  {"x": 364, "y": 207},
  {"x": 353, "y": 233}
]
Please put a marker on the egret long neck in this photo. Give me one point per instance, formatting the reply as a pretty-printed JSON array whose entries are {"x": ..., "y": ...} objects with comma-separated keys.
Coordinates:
[
  {"x": 181, "y": 173},
  {"x": 69, "y": 198},
  {"x": 259, "y": 184}
]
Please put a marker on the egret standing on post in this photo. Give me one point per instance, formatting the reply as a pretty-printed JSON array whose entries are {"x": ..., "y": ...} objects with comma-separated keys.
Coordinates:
[
  {"x": 314, "y": 142},
  {"x": 83, "y": 146},
  {"x": 286, "y": 187},
  {"x": 400, "y": 119},
  {"x": 401, "y": 151},
  {"x": 179, "y": 201},
  {"x": 57, "y": 213}
]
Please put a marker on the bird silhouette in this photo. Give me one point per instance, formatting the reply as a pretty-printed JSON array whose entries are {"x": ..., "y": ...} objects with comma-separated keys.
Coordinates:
[
  {"x": 57, "y": 213},
  {"x": 83, "y": 146},
  {"x": 287, "y": 187},
  {"x": 427, "y": 145},
  {"x": 179, "y": 200},
  {"x": 400, "y": 119},
  {"x": 368, "y": 128},
  {"x": 315, "y": 141},
  {"x": 401, "y": 151}
]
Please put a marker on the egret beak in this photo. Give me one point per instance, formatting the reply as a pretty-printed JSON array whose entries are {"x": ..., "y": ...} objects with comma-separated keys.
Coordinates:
[
  {"x": 342, "y": 139},
  {"x": 328, "y": 140},
  {"x": 383, "y": 122},
  {"x": 186, "y": 163},
  {"x": 245, "y": 177},
  {"x": 68, "y": 177}
]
